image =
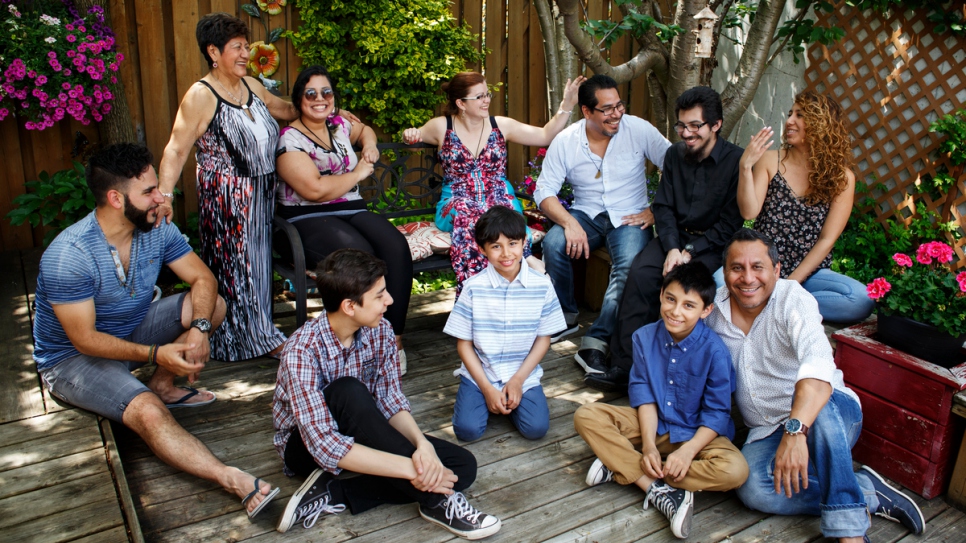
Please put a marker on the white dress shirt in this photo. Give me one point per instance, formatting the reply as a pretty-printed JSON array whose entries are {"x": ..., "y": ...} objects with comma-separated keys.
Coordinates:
[
  {"x": 786, "y": 344},
  {"x": 621, "y": 188}
]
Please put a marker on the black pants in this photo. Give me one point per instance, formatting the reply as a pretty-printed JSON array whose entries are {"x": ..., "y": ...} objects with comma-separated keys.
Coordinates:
[
  {"x": 641, "y": 304},
  {"x": 357, "y": 415},
  {"x": 369, "y": 232}
]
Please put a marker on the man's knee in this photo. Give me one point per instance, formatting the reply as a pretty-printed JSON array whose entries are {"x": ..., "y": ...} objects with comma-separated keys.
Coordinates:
[
  {"x": 588, "y": 418},
  {"x": 555, "y": 241},
  {"x": 758, "y": 493},
  {"x": 146, "y": 413},
  {"x": 347, "y": 392}
]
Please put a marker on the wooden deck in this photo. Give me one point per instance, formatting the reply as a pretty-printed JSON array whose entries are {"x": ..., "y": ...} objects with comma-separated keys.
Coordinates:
[{"x": 57, "y": 483}]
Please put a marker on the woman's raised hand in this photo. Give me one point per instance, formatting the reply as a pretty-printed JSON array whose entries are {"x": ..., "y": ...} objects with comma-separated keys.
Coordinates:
[
  {"x": 759, "y": 143},
  {"x": 412, "y": 135},
  {"x": 570, "y": 92},
  {"x": 363, "y": 169}
]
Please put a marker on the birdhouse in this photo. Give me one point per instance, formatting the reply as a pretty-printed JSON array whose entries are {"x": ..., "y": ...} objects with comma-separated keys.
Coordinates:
[{"x": 706, "y": 19}]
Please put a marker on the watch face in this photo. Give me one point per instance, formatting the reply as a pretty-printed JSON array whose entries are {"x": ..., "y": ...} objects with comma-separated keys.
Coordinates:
[
  {"x": 201, "y": 324},
  {"x": 793, "y": 426}
]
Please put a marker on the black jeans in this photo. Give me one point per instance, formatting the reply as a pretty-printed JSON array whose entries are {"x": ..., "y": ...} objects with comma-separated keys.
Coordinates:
[
  {"x": 641, "y": 303},
  {"x": 356, "y": 414}
]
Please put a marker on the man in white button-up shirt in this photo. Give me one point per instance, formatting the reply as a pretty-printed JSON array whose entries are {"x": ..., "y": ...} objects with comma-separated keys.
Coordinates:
[
  {"x": 803, "y": 420},
  {"x": 603, "y": 157}
]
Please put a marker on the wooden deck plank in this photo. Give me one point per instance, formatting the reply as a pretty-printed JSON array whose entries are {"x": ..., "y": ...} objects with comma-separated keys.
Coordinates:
[
  {"x": 68, "y": 525},
  {"x": 114, "y": 535},
  {"x": 20, "y": 391},
  {"x": 48, "y": 448},
  {"x": 51, "y": 472},
  {"x": 26, "y": 430},
  {"x": 76, "y": 494}
]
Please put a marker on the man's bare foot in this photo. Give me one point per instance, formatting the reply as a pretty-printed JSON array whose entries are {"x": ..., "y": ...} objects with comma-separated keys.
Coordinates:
[
  {"x": 184, "y": 396},
  {"x": 242, "y": 484}
]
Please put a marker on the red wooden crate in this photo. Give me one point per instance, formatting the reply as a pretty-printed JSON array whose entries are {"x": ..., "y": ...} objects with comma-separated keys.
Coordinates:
[{"x": 908, "y": 431}]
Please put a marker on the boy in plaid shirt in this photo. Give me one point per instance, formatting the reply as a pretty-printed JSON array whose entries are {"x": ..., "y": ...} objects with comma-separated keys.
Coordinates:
[{"x": 338, "y": 405}]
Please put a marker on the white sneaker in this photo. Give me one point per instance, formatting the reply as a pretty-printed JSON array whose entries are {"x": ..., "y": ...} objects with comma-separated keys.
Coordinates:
[
  {"x": 457, "y": 515},
  {"x": 598, "y": 474}
]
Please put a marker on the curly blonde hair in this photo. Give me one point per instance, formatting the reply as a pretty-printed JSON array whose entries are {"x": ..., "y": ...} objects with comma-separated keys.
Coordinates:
[{"x": 829, "y": 143}]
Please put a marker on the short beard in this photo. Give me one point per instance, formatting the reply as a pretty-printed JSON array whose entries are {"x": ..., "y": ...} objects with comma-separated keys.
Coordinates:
[{"x": 138, "y": 217}]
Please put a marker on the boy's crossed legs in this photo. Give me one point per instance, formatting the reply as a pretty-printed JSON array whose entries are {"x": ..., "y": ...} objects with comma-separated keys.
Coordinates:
[{"x": 614, "y": 434}]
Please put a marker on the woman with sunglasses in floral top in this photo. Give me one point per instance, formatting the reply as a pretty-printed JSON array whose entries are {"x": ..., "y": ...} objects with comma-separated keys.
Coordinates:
[
  {"x": 320, "y": 196},
  {"x": 473, "y": 152}
]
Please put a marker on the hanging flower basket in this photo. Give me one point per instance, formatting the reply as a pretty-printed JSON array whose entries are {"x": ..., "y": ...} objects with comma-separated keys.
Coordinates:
[{"x": 55, "y": 63}]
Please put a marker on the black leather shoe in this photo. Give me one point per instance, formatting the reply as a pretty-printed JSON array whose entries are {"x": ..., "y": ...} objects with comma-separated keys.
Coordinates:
[
  {"x": 591, "y": 361},
  {"x": 613, "y": 380}
]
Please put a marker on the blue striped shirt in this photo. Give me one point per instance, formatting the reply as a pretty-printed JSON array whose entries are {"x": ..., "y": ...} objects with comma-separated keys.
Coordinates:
[
  {"x": 78, "y": 266},
  {"x": 503, "y": 319}
]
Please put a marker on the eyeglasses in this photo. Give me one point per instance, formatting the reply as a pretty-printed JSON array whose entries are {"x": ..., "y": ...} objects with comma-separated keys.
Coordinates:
[
  {"x": 312, "y": 94},
  {"x": 609, "y": 110},
  {"x": 690, "y": 127},
  {"x": 486, "y": 96}
]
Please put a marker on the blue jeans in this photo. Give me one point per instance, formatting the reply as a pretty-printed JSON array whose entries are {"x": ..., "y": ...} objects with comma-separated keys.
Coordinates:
[
  {"x": 840, "y": 298},
  {"x": 623, "y": 243},
  {"x": 531, "y": 417},
  {"x": 840, "y": 496}
]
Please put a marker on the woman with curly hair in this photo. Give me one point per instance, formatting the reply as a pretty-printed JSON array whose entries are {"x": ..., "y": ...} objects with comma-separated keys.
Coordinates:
[{"x": 801, "y": 197}]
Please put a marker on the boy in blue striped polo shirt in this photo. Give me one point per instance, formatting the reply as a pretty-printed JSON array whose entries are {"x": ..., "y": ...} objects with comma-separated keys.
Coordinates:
[{"x": 503, "y": 321}]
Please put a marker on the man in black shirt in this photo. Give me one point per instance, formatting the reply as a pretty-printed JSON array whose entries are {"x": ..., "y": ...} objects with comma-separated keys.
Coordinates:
[{"x": 695, "y": 213}]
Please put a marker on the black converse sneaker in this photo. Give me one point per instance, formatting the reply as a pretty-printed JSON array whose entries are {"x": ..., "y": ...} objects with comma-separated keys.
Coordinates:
[
  {"x": 310, "y": 501},
  {"x": 676, "y": 504},
  {"x": 457, "y": 515}
]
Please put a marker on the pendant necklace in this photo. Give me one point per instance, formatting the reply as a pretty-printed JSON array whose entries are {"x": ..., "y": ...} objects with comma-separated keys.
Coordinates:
[
  {"x": 235, "y": 98},
  {"x": 599, "y": 167},
  {"x": 478, "y": 140},
  {"x": 333, "y": 146}
]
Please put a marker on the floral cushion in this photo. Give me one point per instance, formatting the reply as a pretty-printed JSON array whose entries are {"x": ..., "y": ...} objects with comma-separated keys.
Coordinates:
[{"x": 424, "y": 233}]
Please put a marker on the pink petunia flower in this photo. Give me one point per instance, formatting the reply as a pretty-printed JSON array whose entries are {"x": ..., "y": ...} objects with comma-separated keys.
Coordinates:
[
  {"x": 902, "y": 260},
  {"x": 922, "y": 255},
  {"x": 878, "y": 288}
]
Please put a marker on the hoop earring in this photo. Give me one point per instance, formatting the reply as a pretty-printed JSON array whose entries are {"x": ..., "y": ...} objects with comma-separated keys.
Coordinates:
[{"x": 214, "y": 64}]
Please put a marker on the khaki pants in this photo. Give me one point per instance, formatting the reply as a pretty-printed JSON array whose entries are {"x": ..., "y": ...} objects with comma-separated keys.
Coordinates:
[{"x": 614, "y": 433}]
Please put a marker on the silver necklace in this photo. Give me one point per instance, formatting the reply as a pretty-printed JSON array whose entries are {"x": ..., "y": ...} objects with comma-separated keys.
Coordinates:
[{"x": 235, "y": 98}]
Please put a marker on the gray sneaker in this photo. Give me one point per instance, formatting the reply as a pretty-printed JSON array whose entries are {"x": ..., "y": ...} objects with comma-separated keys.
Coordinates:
[
  {"x": 676, "y": 504},
  {"x": 457, "y": 515},
  {"x": 309, "y": 502}
]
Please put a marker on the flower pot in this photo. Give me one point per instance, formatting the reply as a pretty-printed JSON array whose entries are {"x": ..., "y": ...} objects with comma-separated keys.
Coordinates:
[{"x": 921, "y": 340}]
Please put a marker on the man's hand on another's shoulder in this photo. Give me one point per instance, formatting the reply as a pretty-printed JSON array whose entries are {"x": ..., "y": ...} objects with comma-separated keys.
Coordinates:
[
  {"x": 791, "y": 464},
  {"x": 674, "y": 258}
]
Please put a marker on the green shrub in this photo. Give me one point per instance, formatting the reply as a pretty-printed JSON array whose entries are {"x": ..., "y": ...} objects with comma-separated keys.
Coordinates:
[
  {"x": 388, "y": 57},
  {"x": 57, "y": 201}
]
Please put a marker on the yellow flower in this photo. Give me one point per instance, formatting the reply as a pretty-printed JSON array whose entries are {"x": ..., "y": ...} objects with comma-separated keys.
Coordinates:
[
  {"x": 273, "y": 7},
  {"x": 264, "y": 59}
]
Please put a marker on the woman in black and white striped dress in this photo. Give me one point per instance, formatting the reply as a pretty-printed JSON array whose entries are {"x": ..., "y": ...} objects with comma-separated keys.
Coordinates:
[{"x": 231, "y": 118}]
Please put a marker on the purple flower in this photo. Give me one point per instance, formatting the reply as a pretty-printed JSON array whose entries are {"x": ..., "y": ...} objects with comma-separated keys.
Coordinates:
[
  {"x": 71, "y": 38},
  {"x": 69, "y": 27},
  {"x": 3, "y": 113},
  {"x": 29, "y": 125},
  {"x": 67, "y": 73},
  {"x": 71, "y": 53},
  {"x": 32, "y": 74},
  {"x": 41, "y": 79},
  {"x": 51, "y": 54}
]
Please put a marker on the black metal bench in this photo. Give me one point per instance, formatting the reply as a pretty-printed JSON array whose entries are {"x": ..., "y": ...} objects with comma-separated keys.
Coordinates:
[{"x": 409, "y": 185}]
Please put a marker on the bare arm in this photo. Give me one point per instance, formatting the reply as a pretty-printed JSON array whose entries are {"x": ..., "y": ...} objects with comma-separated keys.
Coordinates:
[
  {"x": 514, "y": 387},
  {"x": 791, "y": 458},
  {"x": 495, "y": 399},
  {"x": 194, "y": 115},
  {"x": 204, "y": 296},
  {"x": 835, "y": 221},
  {"x": 432, "y": 132},
  {"x": 365, "y": 137},
  {"x": 525, "y": 134},
  {"x": 754, "y": 171},
  {"x": 651, "y": 459},
  {"x": 298, "y": 170},
  {"x": 78, "y": 321},
  {"x": 282, "y": 110}
]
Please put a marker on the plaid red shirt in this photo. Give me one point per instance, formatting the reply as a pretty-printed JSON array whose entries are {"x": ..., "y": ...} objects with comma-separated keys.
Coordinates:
[{"x": 314, "y": 357}]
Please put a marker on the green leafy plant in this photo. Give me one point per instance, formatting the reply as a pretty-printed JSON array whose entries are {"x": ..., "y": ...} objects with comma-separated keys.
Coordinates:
[
  {"x": 388, "y": 57},
  {"x": 924, "y": 289},
  {"x": 432, "y": 281},
  {"x": 57, "y": 201}
]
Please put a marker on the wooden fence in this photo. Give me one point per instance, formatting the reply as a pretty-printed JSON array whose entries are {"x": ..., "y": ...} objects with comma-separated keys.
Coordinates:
[
  {"x": 893, "y": 77},
  {"x": 163, "y": 60}
]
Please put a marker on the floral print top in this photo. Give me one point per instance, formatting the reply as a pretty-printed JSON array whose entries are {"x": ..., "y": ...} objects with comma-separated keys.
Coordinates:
[
  {"x": 336, "y": 161},
  {"x": 792, "y": 224}
]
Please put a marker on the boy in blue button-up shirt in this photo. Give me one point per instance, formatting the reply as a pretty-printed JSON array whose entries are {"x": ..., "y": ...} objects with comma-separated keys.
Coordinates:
[{"x": 675, "y": 438}]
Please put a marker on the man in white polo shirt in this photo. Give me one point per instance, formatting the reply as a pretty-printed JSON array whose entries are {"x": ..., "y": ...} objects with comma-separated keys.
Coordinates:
[{"x": 603, "y": 157}]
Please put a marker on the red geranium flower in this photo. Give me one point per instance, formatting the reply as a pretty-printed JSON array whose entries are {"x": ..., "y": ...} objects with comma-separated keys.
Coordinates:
[{"x": 878, "y": 288}]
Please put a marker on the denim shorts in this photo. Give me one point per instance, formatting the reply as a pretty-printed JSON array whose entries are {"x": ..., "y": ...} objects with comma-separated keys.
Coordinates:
[{"x": 106, "y": 386}]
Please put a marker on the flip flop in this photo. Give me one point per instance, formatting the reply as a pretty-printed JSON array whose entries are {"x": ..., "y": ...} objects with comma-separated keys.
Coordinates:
[
  {"x": 263, "y": 503},
  {"x": 192, "y": 392}
]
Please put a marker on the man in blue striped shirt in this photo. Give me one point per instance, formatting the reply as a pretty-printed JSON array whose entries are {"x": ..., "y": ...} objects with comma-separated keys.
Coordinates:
[
  {"x": 503, "y": 321},
  {"x": 96, "y": 322}
]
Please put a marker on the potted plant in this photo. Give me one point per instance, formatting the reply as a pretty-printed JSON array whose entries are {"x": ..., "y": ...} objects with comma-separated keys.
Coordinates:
[{"x": 922, "y": 305}]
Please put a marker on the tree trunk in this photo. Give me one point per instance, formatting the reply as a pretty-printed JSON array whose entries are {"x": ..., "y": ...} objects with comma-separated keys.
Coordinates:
[
  {"x": 561, "y": 59},
  {"x": 116, "y": 126}
]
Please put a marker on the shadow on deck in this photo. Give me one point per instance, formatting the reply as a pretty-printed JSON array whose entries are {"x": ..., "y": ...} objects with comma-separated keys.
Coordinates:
[{"x": 56, "y": 465}]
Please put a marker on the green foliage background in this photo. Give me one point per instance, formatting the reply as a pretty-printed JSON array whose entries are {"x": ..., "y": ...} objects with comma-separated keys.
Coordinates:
[{"x": 389, "y": 57}]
